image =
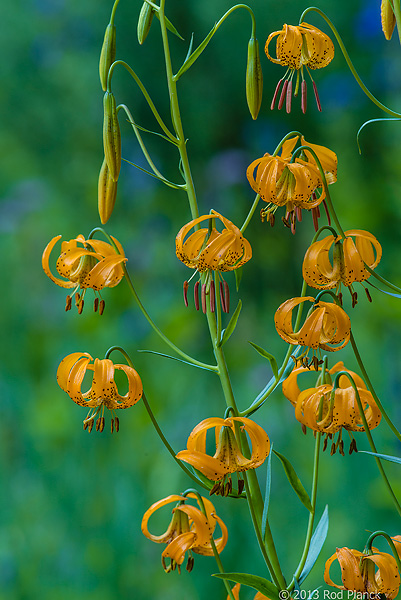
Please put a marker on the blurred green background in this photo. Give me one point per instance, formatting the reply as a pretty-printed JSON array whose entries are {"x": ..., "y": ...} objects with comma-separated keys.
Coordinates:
[{"x": 72, "y": 503}]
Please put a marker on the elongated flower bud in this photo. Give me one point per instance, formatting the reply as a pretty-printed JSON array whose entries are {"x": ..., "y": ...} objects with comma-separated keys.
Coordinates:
[
  {"x": 107, "y": 54},
  {"x": 107, "y": 191},
  {"x": 111, "y": 136},
  {"x": 254, "y": 78},
  {"x": 144, "y": 21},
  {"x": 388, "y": 19}
]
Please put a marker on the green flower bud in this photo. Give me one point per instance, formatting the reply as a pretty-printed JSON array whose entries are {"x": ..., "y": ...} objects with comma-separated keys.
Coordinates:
[
  {"x": 111, "y": 136},
  {"x": 254, "y": 78},
  {"x": 144, "y": 21},
  {"x": 107, "y": 54},
  {"x": 107, "y": 192}
]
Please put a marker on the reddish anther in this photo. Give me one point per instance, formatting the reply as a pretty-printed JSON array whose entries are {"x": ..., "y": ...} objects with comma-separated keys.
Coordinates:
[
  {"x": 196, "y": 295},
  {"x": 319, "y": 106},
  {"x": 222, "y": 300},
  {"x": 303, "y": 96},
  {"x": 101, "y": 306},
  {"x": 185, "y": 292},
  {"x": 226, "y": 296},
  {"x": 212, "y": 297},
  {"x": 368, "y": 295},
  {"x": 203, "y": 298},
  {"x": 96, "y": 304},
  {"x": 327, "y": 212},
  {"x": 116, "y": 424},
  {"x": 276, "y": 94},
  {"x": 288, "y": 98},
  {"x": 282, "y": 96},
  {"x": 315, "y": 217},
  {"x": 272, "y": 218},
  {"x": 298, "y": 212},
  {"x": 293, "y": 223}
]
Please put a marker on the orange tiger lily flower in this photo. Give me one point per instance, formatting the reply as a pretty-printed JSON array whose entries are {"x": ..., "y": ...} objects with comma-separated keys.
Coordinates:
[
  {"x": 295, "y": 184},
  {"x": 328, "y": 327},
  {"x": 190, "y": 530},
  {"x": 103, "y": 392},
  {"x": 315, "y": 409},
  {"x": 348, "y": 262},
  {"x": 359, "y": 574},
  {"x": 228, "y": 458},
  {"x": 85, "y": 264},
  {"x": 298, "y": 47},
  {"x": 208, "y": 250}
]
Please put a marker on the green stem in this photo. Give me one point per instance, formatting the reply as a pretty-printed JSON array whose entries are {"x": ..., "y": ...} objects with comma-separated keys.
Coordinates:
[
  {"x": 368, "y": 434},
  {"x": 250, "y": 214},
  {"x": 166, "y": 340},
  {"x": 154, "y": 421},
  {"x": 113, "y": 12},
  {"x": 390, "y": 543},
  {"x": 145, "y": 94},
  {"x": 397, "y": 13},
  {"x": 349, "y": 61},
  {"x": 309, "y": 532},
  {"x": 371, "y": 388},
  {"x": 285, "y": 138},
  {"x": 176, "y": 117}
]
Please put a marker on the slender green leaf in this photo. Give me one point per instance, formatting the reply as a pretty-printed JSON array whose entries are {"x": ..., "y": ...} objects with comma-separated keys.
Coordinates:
[
  {"x": 317, "y": 541},
  {"x": 267, "y": 492},
  {"x": 238, "y": 277},
  {"x": 176, "y": 186},
  {"x": 394, "y": 459},
  {"x": 260, "y": 584},
  {"x": 270, "y": 358},
  {"x": 195, "y": 54},
  {"x": 227, "y": 332},
  {"x": 295, "y": 481},
  {"x": 191, "y": 43},
  {"x": 186, "y": 362},
  {"x": 384, "y": 291},
  {"x": 169, "y": 26}
]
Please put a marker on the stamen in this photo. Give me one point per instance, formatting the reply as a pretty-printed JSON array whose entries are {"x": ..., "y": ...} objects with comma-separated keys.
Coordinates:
[
  {"x": 196, "y": 295},
  {"x": 80, "y": 307},
  {"x": 222, "y": 300},
  {"x": 226, "y": 296},
  {"x": 341, "y": 448},
  {"x": 203, "y": 298},
  {"x": 101, "y": 306},
  {"x": 303, "y": 96},
  {"x": 293, "y": 223},
  {"x": 241, "y": 485},
  {"x": 215, "y": 489},
  {"x": 368, "y": 294},
  {"x": 298, "y": 212},
  {"x": 276, "y": 93},
  {"x": 283, "y": 93},
  {"x": 354, "y": 299},
  {"x": 85, "y": 424},
  {"x": 326, "y": 439},
  {"x": 90, "y": 425},
  {"x": 68, "y": 303},
  {"x": 333, "y": 449},
  {"x": 288, "y": 97},
  {"x": 319, "y": 106},
  {"x": 112, "y": 425},
  {"x": 272, "y": 219},
  {"x": 315, "y": 218},
  {"x": 77, "y": 298},
  {"x": 116, "y": 424},
  {"x": 263, "y": 215},
  {"x": 212, "y": 297},
  {"x": 286, "y": 223},
  {"x": 190, "y": 564},
  {"x": 327, "y": 212},
  {"x": 303, "y": 427},
  {"x": 340, "y": 298},
  {"x": 96, "y": 304},
  {"x": 185, "y": 291}
]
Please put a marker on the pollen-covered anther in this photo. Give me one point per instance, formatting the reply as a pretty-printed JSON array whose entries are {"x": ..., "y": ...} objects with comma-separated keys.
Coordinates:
[
  {"x": 185, "y": 293},
  {"x": 102, "y": 305},
  {"x": 95, "y": 304},
  {"x": 68, "y": 303},
  {"x": 80, "y": 306}
]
